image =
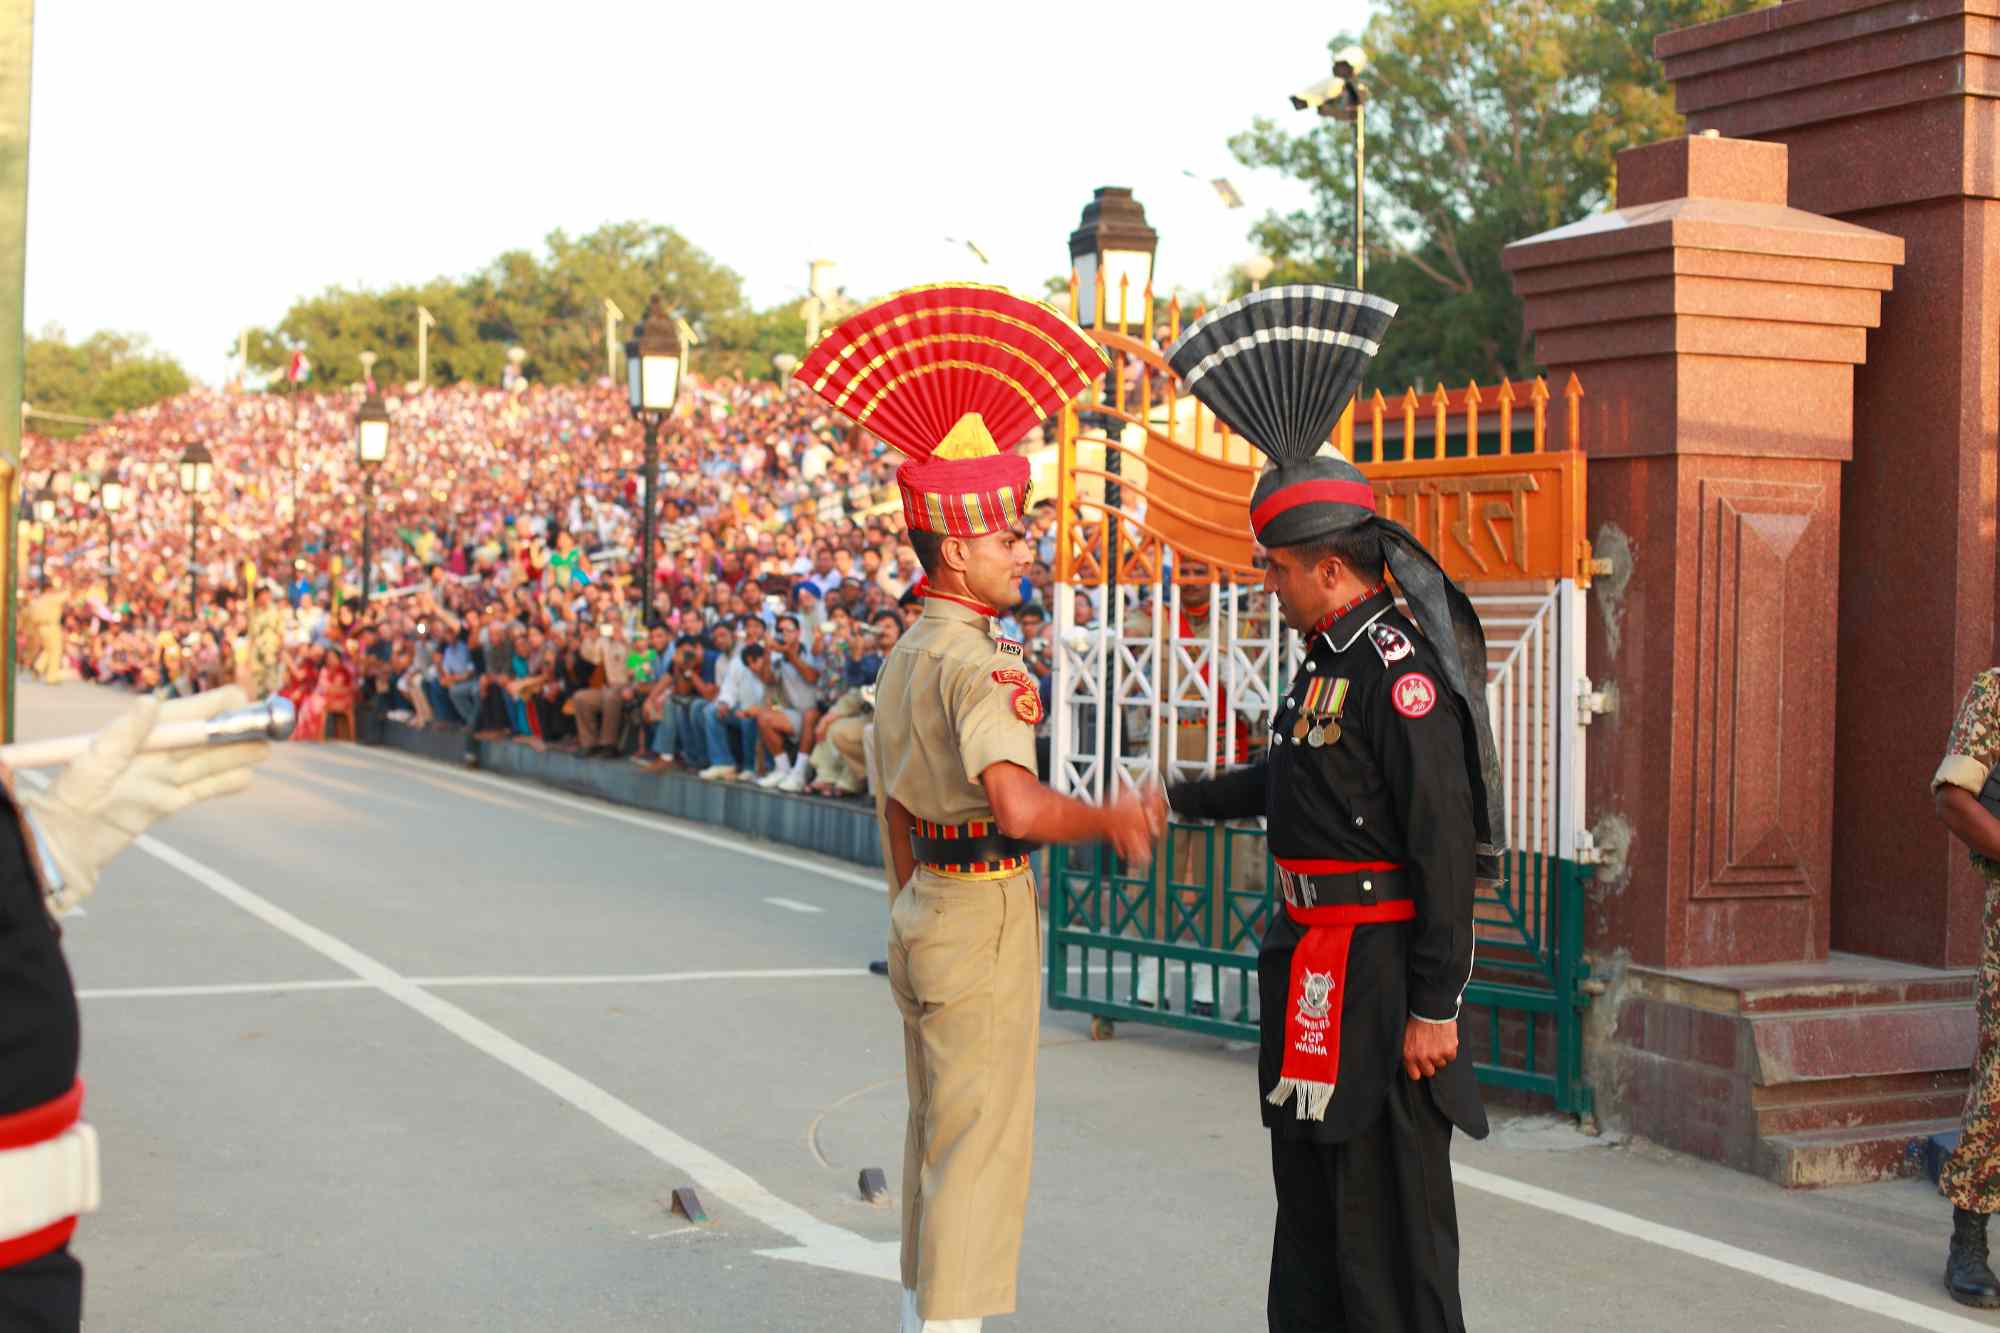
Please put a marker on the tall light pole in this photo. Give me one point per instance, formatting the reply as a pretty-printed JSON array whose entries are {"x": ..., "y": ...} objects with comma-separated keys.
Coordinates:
[
  {"x": 784, "y": 363},
  {"x": 111, "y": 497},
  {"x": 613, "y": 317},
  {"x": 1111, "y": 252},
  {"x": 197, "y": 475},
  {"x": 1257, "y": 268},
  {"x": 45, "y": 517},
  {"x": 654, "y": 362},
  {"x": 82, "y": 490},
  {"x": 371, "y": 446},
  {"x": 1353, "y": 104},
  {"x": 1111, "y": 259},
  {"x": 301, "y": 423},
  {"x": 425, "y": 323}
]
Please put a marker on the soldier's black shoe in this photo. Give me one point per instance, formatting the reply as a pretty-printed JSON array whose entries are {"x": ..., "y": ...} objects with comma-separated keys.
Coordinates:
[
  {"x": 1202, "y": 1008},
  {"x": 879, "y": 967},
  {"x": 1967, "y": 1276}
]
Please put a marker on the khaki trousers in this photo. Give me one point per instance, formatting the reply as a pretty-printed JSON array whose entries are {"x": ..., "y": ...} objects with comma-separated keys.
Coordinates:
[
  {"x": 598, "y": 713},
  {"x": 965, "y": 960}
]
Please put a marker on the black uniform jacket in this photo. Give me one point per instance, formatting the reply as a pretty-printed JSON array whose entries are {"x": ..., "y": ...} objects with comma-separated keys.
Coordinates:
[
  {"x": 1394, "y": 787},
  {"x": 38, "y": 1022}
]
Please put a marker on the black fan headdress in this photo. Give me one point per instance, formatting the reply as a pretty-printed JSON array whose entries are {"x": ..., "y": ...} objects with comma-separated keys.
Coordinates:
[{"x": 1278, "y": 367}]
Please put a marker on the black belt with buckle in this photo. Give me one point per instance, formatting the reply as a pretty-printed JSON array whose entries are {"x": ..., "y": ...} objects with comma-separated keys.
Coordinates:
[{"x": 1344, "y": 888}]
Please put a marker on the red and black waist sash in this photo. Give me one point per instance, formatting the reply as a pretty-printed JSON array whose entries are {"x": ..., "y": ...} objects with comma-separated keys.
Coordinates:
[
  {"x": 1327, "y": 900},
  {"x": 39, "y": 1127},
  {"x": 976, "y": 849}
]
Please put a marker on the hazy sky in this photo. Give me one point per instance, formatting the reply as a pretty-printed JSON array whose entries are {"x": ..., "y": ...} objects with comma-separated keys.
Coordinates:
[{"x": 196, "y": 166}]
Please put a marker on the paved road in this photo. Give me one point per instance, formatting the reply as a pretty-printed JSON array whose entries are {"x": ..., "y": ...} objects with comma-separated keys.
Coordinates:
[{"x": 387, "y": 1045}]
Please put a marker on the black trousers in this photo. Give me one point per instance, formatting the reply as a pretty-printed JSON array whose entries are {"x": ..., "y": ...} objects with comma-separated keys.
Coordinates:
[
  {"x": 1367, "y": 1233},
  {"x": 44, "y": 1295}
]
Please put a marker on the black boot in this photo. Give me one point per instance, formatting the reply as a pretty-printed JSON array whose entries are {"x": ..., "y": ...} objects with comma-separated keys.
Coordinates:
[{"x": 1966, "y": 1274}]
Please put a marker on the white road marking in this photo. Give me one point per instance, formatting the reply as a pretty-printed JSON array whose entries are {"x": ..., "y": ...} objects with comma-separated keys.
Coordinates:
[
  {"x": 673, "y": 828},
  {"x": 227, "y": 988},
  {"x": 794, "y": 905},
  {"x": 447, "y": 983},
  {"x": 1716, "y": 1252},
  {"x": 819, "y": 1242},
  {"x": 649, "y": 978},
  {"x": 515, "y": 802},
  {"x": 292, "y": 776},
  {"x": 443, "y": 983}
]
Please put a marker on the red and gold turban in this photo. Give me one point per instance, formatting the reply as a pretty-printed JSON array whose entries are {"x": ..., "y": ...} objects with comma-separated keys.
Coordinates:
[{"x": 953, "y": 377}]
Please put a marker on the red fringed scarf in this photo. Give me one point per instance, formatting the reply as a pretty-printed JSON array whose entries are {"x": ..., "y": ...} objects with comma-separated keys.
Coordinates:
[{"x": 1318, "y": 988}]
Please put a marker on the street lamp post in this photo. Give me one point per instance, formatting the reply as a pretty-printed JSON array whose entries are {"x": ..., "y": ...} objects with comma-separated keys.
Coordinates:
[
  {"x": 300, "y": 423},
  {"x": 1112, "y": 249},
  {"x": 784, "y": 363},
  {"x": 45, "y": 516},
  {"x": 197, "y": 475},
  {"x": 1257, "y": 268},
  {"x": 371, "y": 446},
  {"x": 1352, "y": 105},
  {"x": 111, "y": 496},
  {"x": 1111, "y": 254},
  {"x": 654, "y": 362}
]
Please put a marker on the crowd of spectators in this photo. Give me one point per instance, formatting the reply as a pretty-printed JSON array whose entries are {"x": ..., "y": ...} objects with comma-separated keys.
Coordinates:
[{"x": 505, "y": 589}]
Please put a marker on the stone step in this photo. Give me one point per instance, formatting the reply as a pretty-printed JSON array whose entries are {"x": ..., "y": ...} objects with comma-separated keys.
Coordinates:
[
  {"x": 1840, "y": 981},
  {"x": 1863, "y": 1041},
  {"x": 1818, "y": 1158},
  {"x": 1798, "y": 1108},
  {"x": 1805, "y": 1046}
]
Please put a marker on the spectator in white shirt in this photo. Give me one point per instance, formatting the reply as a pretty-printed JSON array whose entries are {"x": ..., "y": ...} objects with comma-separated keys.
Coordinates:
[{"x": 732, "y": 724}]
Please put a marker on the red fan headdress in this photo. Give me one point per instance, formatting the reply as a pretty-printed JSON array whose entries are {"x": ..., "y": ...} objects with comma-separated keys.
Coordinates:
[{"x": 953, "y": 377}]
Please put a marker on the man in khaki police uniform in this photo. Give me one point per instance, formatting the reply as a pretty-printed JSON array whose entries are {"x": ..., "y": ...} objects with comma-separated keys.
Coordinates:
[{"x": 955, "y": 725}]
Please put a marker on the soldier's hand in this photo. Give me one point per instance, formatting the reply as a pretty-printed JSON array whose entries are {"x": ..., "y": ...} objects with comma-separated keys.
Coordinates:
[
  {"x": 1129, "y": 830},
  {"x": 1428, "y": 1047}
]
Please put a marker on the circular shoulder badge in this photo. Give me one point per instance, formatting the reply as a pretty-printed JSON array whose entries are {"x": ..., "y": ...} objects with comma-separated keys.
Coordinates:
[{"x": 1414, "y": 695}]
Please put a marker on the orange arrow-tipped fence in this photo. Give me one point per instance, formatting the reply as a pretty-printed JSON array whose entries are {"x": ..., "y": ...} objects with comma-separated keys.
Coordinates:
[{"x": 1487, "y": 493}]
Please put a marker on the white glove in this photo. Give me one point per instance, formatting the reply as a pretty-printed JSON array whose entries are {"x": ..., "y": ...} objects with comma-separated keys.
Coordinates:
[{"x": 112, "y": 793}]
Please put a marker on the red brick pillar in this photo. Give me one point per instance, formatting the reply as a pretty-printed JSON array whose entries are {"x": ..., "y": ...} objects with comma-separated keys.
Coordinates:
[
  {"x": 1715, "y": 331},
  {"x": 1889, "y": 110}
]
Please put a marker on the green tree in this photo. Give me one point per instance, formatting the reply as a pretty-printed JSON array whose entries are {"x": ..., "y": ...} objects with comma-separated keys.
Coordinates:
[
  {"x": 551, "y": 304},
  {"x": 1486, "y": 123},
  {"x": 103, "y": 374}
]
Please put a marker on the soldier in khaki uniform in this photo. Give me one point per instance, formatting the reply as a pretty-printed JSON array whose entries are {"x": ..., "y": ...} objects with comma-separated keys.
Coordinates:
[{"x": 953, "y": 377}]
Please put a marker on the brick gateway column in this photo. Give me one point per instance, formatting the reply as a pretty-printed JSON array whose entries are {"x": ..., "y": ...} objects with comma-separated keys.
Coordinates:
[
  {"x": 1716, "y": 331},
  {"x": 1889, "y": 110}
]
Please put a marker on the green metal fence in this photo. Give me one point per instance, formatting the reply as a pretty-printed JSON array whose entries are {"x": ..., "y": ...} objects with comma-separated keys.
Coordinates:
[{"x": 1203, "y": 906}]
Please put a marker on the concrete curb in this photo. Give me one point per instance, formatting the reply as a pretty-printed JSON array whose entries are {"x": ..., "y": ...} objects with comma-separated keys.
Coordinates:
[{"x": 845, "y": 830}]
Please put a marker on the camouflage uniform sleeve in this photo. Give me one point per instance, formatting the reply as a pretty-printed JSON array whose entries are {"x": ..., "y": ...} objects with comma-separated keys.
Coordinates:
[
  {"x": 1974, "y": 746},
  {"x": 995, "y": 710}
]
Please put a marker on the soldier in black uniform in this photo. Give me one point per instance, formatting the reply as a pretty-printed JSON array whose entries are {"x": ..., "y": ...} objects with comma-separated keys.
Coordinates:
[
  {"x": 1376, "y": 793},
  {"x": 52, "y": 847},
  {"x": 38, "y": 1051}
]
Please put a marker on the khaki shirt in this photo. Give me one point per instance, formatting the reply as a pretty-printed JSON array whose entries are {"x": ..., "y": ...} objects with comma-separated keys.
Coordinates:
[{"x": 944, "y": 714}]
